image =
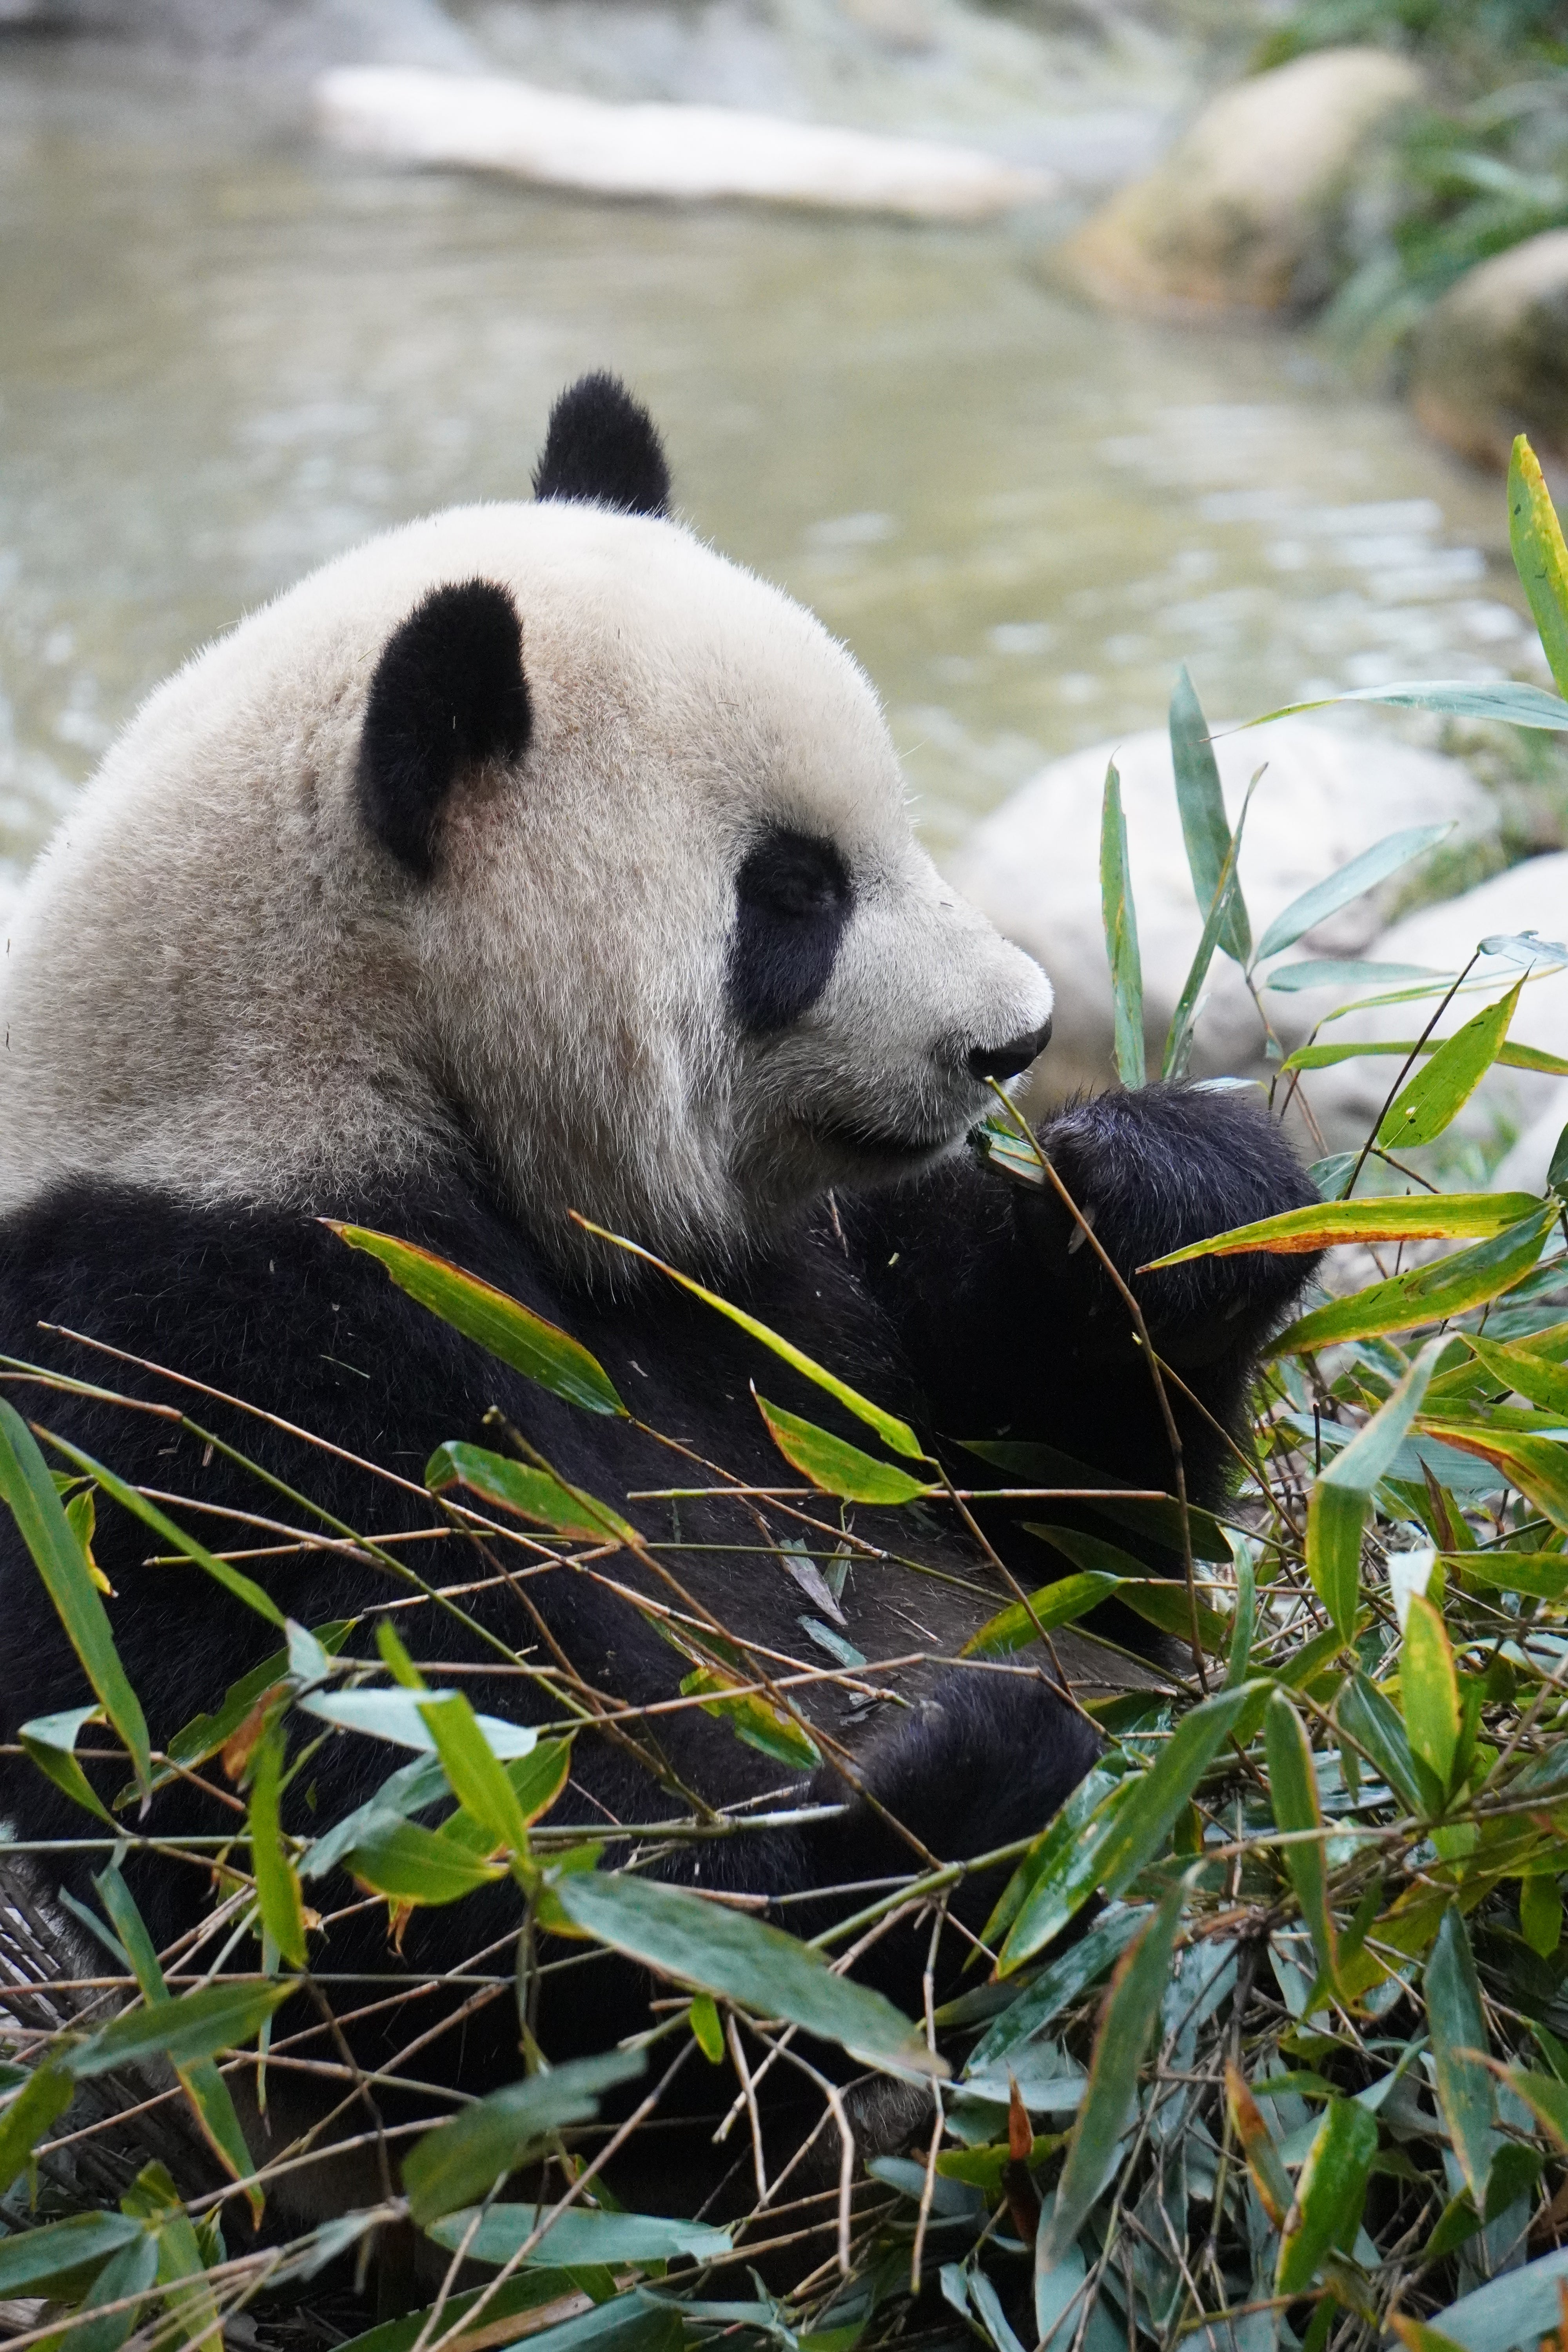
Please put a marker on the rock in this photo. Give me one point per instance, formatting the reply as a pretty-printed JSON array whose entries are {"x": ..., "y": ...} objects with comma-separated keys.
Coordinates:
[
  {"x": 1247, "y": 211},
  {"x": 1329, "y": 792},
  {"x": 492, "y": 124},
  {"x": 293, "y": 40},
  {"x": 1491, "y": 358},
  {"x": 1347, "y": 1099}
]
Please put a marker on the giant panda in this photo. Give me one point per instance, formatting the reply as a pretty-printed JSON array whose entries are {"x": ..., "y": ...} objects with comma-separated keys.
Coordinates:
[{"x": 532, "y": 859}]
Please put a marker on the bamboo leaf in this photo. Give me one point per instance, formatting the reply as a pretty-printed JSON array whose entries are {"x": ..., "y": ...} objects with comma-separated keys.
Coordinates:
[
  {"x": 1344, "y": 973},
  {"x": 1200, "y": 799},
  {"x": 1293, "y": 1785},
  {"x": 500, "y": 1324},
  {"x": 1545, "y": 2096},
  {"x": 1131, "y": 1826},
  {"x": 1053, "y": 1604},
  {"x": 1350, "y": 881},
  {"x": 887, "y": 1426},
  {"x": 751, "y": 1718},
  {"x": 1466, "y": 2091},
  {"x": 29, "y": 1489},
  {"x": 1538, "y": 1466},
  {"x": 462, "y": 2160},
  {"x": 50, "y": 1741},
  {"x": 1417, "y": 1216},
  {"x": 233, "y": 1580},
  {"x": 1120, "y": 918},
  {"x": 278, "y": 1894},
  {"x": 1439, "y": 1091},
  {"x": 1509, "y": 2314},
  {"x": 1052, "y": 1990},
  {"x": 1365, "y": 1713},
  {"x": 1221, "y": 917},
  {"x": 1539, "y": 1379},
  {"x": 1510, "y": 1055},
  {"x": 185, "y": 2028},
  {"x": 131, "y": 2271},
  {"x": 532, "y": 1493},
  {"x": 45, "y": 2095},
  {"x": 1263, "y": 2159},
  {"x": 836, "y": 1467},
  {"x": 576, "y": 2234},
  {"x": 1430, "y": 1690},
  {"x": 1540, "y": 557},
  {"x": 1514, "y": 705},
  {"x": 1337, "y": 1510},
  {"x": 1428, "y": 1295},
  {"x": 1329, "y": 2193},
  {"x": 408, "y": 1864},
  {"x": 737, "y": 1958},
  {"x": 396, "y": 1715},
  {"x": 1132, "y": 2009},
  {"x": 32, "y": 2260},
  {"x": 477, "y": 1777}
]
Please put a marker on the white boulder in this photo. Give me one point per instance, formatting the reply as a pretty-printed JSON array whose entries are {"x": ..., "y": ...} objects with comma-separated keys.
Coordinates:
[
  {"x": 1328, "y": 793},
  {"x": 488, "y": 122}
]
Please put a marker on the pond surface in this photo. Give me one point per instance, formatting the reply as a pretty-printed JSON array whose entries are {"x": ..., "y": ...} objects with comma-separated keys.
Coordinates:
[{"x": 226, "y": 353}]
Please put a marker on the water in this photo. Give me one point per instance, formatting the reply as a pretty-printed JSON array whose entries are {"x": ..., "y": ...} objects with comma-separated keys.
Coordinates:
[{"x": 228, "y": 355}]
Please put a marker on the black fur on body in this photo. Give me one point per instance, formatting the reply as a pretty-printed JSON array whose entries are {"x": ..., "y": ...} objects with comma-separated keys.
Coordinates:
[{"x": 957, "y": 1299}]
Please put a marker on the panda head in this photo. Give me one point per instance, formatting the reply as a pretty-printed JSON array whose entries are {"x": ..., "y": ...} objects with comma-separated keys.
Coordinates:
[{"x": 537, "y": 837}]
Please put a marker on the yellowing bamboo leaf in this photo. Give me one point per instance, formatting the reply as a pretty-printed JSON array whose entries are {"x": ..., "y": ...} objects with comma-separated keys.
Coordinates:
[
  {"x": 1430, "y": 1689},
  {"x": 500, "y": 1324},
  {"x": 1270, "y": 2177},
  {"x": 1329, "y": 2194},
  {"x": 1439, "y": 1091},
  {"x": 532, "y": 1493},
  {"x": 1420, "y": 1216},
  {"x": 278, "y": 1893},
  {"x": 1535, "y": 537},
  {"x": 1428, "y": 1294},
  {"x": 836, "y": 1467}
]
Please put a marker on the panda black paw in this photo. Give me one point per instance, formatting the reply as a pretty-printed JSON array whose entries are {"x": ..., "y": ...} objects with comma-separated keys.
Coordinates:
[
  {"x": 985, "y": 1761},
  {"x": 1153, "y": 1170}
]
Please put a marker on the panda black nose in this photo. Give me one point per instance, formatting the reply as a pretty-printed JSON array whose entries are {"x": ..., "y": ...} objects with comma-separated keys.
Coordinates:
[{"x": 1007, "y": 1061}]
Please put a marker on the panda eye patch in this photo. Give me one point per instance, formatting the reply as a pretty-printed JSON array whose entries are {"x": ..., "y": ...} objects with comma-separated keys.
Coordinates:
[{"x": 792, "y": 900}]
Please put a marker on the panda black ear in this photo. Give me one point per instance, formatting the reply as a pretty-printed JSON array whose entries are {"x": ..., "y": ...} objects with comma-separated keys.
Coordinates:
[
  {"x": 449, "y": 693},
  {"x": 602, "y": 447}
]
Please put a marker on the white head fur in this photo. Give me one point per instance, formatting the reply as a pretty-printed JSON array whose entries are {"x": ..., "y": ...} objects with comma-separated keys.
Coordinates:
[{"x": 222, "y": 983}]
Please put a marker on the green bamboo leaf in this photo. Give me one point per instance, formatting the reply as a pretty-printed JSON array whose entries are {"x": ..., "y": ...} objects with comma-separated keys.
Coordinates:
[
  {"x": 1430, "y": 1294},
  {"x": 738, "y": 1958},
  {"x": 1119, "y": 918},
  {"x": 1337, "y": 1510},
  {"x": 1542, "y": 1573},
  {"x": 1200, "y": 799},
  {"x": 1545, "y": 2095},
  {"x": 50, "y": 1741},
  {"x": 278, "y": 1894},
  {"x": 751, "y": 1718},
  {"x": 1159, "y": 1599},
  {"x": 204, "y": 1735},
  {"x": 533, "y": 1494},
  {"x": 1430, "y": 1689},
  {"x": 1293, "y": 1785},
  {"x": 1043, "y": 2001},
  {"x": 562, "y": 2306},
  {"x": 1055, "y": 1604},
  {"x": 1363, "y": 1712},
  {"x": 45, "y": 2095},
  {"x": 1540, "y": 557},
  {"x": 502, "y": 1326},
  {"x": 1440, "y": 1089},
  {"x": 478, "y": 1778},
  {"x": 185, "y": 2028},
  {"x": 131, "y": 2271},
  {"x": 1329, "y": 2193},
  {"x": 1222, "y": 917},
  {"x": 394, "y": 1715},
  {"x": 1351, "y": 881},
  {"x": 1538, "y": 1466},
  {"x": 199, "y": 2078},
  {"x": 576, "y": 2234},
  {"x": 1131, "y": 1827},
  {"x": 1243, "y": 1625},
  {"x": 887, "y": 1426},
  {"x": 1466, "y": 2091},
  {"x": 33, "y": 2259},
  {"x": 1509, "y": 1056},
  {"x": 244, "y": 1588},
  {"x": 1509, "y": 2314},
  {"x": 1343, "y": 973},
  {"x": 1418, "y": 1216},
  {"x": 29, "y": 1489},
  {"x": 1131, "y": 2009},
  {"x": 1051, "y": 1850},
  {"x": 1541, "y": 1915},
  {"x": 408, "y": 1864},
  {"x": 461, "y": 2160},
  {"x": 1034, "y": 1464},
  {"x": 1539, "y": 1379},
  {"x": 1514, "y": 705},
  {"x": 836, "y": 1467}
]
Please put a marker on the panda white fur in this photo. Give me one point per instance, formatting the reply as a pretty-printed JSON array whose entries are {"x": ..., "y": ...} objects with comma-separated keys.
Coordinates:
[{"x": 534, "y": 859}]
